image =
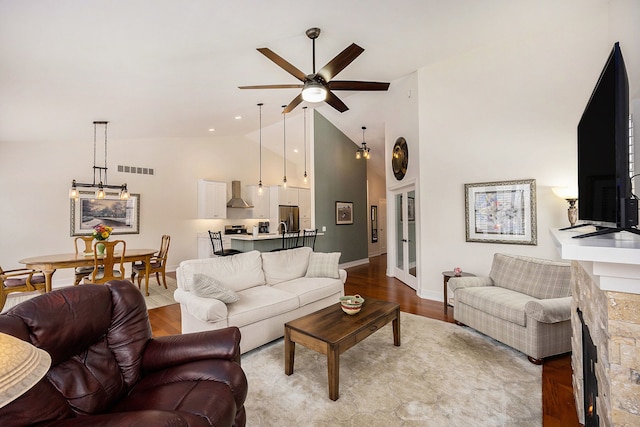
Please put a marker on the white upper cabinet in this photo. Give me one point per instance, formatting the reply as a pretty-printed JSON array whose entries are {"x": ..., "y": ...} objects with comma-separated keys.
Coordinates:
[
  {"x": 288, "y": 196},
  {"x": 212, "y": 199},
  {"x": 260, "y": 201},
  {"x": 304, "y": 201}
]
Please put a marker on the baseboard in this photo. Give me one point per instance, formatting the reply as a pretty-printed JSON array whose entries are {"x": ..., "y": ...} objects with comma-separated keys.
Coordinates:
[{"x": 354, "y": 263}]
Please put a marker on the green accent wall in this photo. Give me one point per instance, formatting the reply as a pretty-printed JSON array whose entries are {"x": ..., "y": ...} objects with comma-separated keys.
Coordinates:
[{"x": 339, "y": 176}]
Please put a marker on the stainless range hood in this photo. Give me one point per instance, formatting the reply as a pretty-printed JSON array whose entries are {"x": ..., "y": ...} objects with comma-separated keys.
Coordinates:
[{"x": 236, "y": 197}]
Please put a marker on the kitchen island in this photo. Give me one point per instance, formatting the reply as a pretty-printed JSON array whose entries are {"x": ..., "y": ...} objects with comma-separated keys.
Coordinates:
[{"x": 262, "y": 242}]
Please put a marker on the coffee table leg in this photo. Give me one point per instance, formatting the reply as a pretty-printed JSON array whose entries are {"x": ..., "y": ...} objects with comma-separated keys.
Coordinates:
[
  {"x": 396, "y": 329},
  {"x": 289, "y": 352},
  {"x": 333, "y": 368}
]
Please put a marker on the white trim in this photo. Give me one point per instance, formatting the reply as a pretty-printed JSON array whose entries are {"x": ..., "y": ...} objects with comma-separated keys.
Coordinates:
[{"x": 354, "y": 263}]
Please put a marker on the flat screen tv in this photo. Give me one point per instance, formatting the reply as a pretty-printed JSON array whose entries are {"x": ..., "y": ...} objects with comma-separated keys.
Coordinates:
[{"x": 604, "y": 185}]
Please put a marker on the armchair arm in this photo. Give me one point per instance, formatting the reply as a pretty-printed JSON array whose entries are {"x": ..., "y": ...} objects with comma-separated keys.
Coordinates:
[
  {"x": 468, "y": 282},
  {"x": 167, "y": 351},
  {"x": 552, "y": 310}
]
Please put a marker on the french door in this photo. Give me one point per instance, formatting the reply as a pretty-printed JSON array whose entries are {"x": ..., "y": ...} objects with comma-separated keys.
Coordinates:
[{"x": 405, "y": 265}]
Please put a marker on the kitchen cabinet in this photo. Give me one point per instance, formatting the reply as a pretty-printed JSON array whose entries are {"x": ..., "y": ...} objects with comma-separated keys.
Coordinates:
[
  {"x": 304, "y": 202},
  {"x": 260, "y": 202},
  {"x": 287, "y": 196},
  {"x": 212, "y": 199}
]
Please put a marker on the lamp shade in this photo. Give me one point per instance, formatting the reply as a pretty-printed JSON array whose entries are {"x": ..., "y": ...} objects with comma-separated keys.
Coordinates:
[
  {"x": 566, "y": 193},
  {"x": 23, "y": 365}
]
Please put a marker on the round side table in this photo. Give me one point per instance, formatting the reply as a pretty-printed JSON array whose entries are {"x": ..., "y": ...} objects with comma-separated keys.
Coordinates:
[{"x": 448, "y": 275}]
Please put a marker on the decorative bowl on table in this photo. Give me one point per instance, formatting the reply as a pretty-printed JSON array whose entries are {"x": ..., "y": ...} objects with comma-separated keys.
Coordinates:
[{"x": 351, "y": 304}]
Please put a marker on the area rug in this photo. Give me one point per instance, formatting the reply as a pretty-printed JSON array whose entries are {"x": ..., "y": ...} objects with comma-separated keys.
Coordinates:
[
  {"x": 158, "y": 295},
  {"x": 441, "y": 375}
]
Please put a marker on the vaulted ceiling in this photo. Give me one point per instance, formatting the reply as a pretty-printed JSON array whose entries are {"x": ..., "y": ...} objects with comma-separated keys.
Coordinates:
[{"x": 167, "y": 68}]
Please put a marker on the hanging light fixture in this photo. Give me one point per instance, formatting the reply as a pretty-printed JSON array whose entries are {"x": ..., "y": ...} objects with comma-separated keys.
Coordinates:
[
  {"x": 99, "y": 170},
  {"x": 363, "y": 151},
  {"x": 284, "y": 143},
  {"x": 304, "y": 111},
  {"x": 260, "y": 179}
]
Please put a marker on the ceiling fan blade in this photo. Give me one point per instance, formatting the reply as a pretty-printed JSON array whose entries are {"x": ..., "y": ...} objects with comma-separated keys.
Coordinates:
[
  {"x": 294, "y": 86},
  {"x": 335, "y": 102},
  {"x": 293, "y": 104},
  {"x": 339, "y": 63},
  {"x": 356, "y": 85},
  {"x": 282, "y": 63}
]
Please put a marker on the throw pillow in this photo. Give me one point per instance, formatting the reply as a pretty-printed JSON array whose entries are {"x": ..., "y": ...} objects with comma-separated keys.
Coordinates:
[
  {"x": 207, "y": 287},
  {"x": 324, "y": 265}
]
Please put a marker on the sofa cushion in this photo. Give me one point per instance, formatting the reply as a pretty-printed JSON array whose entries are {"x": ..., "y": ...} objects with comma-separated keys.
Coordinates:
[
  {"x": 324, "y": 265},
  {"x": 281, "y": 266},
  {"x": 539, "y": 278},
  {"x": 259, "y": 303},
  {"x": 311, "y": 289},
  {"x": 208, "y": 287},
  {"x": 235, "y": 272},
  {"x": 499, "y": 302}
]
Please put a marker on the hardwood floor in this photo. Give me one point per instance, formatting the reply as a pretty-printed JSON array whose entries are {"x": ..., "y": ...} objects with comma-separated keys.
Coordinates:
[{"x": 370, "y": 280}]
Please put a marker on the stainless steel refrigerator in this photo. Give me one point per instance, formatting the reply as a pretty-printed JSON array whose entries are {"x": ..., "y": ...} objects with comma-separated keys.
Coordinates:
[{"x": 290, "y": 215}]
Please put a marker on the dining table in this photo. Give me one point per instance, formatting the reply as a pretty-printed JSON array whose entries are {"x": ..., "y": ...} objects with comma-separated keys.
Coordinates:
[{"x": 48, "y": 264}]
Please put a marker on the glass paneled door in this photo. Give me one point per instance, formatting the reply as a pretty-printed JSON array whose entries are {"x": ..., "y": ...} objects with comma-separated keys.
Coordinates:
[{"x": 405, "y": 236}]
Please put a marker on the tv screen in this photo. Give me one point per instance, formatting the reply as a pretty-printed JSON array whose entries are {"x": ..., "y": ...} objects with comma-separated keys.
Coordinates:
[{"x": 604, "y": 185}]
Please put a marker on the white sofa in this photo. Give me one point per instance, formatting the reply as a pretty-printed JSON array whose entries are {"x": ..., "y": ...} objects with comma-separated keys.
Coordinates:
[{"x": 273, "y": 288}]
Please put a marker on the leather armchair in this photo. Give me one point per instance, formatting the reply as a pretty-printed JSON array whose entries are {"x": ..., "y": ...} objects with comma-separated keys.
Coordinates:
[{"x": 107, "y": 370}]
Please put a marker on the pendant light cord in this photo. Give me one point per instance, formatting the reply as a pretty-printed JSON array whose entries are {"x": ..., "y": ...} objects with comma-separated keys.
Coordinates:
[{"x": 284, "y": 141}]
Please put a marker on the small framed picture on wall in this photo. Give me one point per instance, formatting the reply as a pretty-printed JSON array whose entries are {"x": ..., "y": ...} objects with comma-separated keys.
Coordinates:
[{"x": 344, "y": 213}]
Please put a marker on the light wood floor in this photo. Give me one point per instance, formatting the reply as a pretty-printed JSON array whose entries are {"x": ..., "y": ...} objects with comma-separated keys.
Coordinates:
[{"x": 371, "y": 281}]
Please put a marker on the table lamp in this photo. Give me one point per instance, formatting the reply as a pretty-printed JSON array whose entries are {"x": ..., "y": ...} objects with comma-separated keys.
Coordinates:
[
  {"x": 570, "y": 194},
  {"x": 23, "y": 365}
]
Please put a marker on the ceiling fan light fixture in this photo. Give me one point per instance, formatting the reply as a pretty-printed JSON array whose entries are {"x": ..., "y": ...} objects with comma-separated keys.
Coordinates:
[{"x": 314, "y": 91}]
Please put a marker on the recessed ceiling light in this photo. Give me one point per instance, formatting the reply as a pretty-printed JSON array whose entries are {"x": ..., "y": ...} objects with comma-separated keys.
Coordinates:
[
  {"x": 212, "y": 130},
  {"x": 295, "y": 150},
  {"x": 238, "y": 117}
]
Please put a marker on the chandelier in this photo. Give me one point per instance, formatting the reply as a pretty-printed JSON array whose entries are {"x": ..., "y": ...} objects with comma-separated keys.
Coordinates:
[
  {"x": 98, "y": 171},
  {"x": 363, "y": 151}
]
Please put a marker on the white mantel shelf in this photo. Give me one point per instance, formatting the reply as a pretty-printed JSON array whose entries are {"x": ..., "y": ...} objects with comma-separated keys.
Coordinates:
[{"x": 613, "y": 260}]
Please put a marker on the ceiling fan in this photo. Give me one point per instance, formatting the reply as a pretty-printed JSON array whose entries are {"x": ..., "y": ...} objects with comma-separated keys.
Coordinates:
[{"x": 318, "y": 86}]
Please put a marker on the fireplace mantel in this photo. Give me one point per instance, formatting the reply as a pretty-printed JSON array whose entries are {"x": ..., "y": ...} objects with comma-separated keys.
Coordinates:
[{"x": 613, "y": 260}]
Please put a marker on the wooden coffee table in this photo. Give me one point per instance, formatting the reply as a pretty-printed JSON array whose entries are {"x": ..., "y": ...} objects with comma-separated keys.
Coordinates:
[{"x": 331, "y": 331}]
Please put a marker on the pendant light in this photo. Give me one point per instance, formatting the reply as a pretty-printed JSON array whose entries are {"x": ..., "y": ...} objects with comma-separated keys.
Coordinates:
[
  {"x": 304, "y": 111},
  {"x": 284, "y": 143},
  {"x": 100, "y": 185},
  {"x": 363, "y": 151},
  {"x": 260, "y": 178}
]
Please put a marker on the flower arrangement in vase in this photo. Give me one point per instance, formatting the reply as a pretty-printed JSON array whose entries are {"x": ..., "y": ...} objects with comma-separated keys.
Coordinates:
[{"x": 101, "y": 232}]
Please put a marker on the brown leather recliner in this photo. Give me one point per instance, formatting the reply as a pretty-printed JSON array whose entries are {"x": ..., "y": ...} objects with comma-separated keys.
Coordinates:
[{"x": 107, "y": 370}]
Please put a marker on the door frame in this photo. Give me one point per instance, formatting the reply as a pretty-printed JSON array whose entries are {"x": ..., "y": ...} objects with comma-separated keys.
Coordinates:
[{"x": 392, "y": 249}]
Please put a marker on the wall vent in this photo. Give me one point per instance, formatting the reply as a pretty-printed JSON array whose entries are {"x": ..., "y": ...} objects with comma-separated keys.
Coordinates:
[{"x": 135, "y": 169}]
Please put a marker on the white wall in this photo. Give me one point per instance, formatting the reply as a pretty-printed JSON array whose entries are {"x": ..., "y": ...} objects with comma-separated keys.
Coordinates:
[
  {"x": 504, "y": 112},
  {"x": 35, "y": 179}
]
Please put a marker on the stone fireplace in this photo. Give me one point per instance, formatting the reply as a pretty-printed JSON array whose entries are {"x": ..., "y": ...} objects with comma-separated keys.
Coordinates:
[
  {"x": 606, "y": 295},
  {"x": 613, "y": 320}
]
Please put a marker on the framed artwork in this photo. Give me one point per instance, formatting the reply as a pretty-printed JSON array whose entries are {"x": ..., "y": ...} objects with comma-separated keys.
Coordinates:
[
  {"x": 122, "y": 215},
  {"x": 501, "y": 212},
  {"x": 344, "y": 213}
]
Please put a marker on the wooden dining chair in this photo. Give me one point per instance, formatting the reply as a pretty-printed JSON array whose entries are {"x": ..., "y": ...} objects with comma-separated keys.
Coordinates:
[
  {"x": 19, "y": 280},
  {"x": 158, "y": 264},
  {"x": 104, "y": 265},
  {"x": 87, "y": 250}
]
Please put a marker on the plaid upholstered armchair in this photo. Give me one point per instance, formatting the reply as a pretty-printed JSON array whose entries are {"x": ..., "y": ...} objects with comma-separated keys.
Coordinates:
[{"x": 524, "y": 303}]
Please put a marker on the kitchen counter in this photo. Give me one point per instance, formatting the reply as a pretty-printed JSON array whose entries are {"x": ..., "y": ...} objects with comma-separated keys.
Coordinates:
[{"x": 262, "y": 243}]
